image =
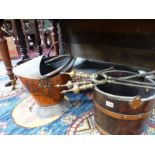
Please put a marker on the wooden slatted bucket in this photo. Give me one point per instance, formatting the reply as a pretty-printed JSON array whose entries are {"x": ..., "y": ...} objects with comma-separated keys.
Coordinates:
[{"x": 120, "y": 109}]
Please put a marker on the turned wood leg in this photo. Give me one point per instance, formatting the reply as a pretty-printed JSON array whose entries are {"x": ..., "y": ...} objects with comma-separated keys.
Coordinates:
[
  {"x": 37, "y": 36},
  {"x": 21, "y": 40},
  {"x": 15, "y": 36},
  {"x": 6, "y": 58},
  {"x": 54, "y": 36},
  {"x": 45, "y": 40}
]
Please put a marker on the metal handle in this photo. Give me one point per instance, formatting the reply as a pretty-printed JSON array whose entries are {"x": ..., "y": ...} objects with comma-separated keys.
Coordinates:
[
  {"x": 61, "y": 42},
  {"x": 60, "y": 68},
  {"x": 136, "y": 102},
  {"x": 58, "y": 57}
]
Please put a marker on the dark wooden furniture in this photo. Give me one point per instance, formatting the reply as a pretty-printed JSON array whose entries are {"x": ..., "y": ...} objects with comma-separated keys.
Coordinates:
[
  {"x": 129, "y": 42},
  {"x": 32, "y": 31},
  {"x": 20, "y": 30},
  {"x": 33, "y": 34}
]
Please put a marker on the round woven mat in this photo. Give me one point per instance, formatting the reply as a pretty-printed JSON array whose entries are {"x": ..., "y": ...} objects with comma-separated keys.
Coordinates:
[{"x": 23, "y": 116}]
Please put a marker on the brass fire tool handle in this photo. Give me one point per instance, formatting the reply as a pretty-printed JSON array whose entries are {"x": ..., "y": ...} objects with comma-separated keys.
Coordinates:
[
  {"x": 79, "y": 74},
  {"x": 71, "y": 84},
  {"x": 77, "y": 89}
]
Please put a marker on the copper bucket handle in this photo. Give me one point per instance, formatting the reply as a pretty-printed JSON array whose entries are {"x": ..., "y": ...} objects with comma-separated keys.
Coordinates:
[{"x": 66, "y": 46}]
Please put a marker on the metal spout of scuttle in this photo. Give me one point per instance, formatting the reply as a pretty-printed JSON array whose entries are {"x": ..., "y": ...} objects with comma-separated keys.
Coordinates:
[{"x": 29, "y": 69}]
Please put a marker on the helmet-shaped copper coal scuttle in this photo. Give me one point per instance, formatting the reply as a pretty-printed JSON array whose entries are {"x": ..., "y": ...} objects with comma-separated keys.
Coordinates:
[{"x": 40, "y": 76}]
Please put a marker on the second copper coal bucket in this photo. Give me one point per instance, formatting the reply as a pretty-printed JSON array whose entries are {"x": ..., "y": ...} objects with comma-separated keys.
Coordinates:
[{"x": 40, "y": 76}]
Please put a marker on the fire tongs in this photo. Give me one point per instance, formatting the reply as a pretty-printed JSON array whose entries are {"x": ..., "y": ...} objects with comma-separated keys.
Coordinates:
[{"x": 101, "y": 77}]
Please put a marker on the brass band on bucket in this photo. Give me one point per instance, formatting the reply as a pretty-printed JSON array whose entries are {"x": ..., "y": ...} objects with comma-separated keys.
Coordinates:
[
  {"x": 121, "y": 116},
  {"x": 101, "y": 130}
]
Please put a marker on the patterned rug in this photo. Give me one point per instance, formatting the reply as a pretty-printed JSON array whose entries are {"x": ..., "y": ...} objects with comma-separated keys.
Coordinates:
[
  {"x": 77, "y": 120},
  {"x": 80, "y": 104}
]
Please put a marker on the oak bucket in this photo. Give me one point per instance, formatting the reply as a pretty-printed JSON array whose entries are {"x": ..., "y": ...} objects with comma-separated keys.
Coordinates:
[{"x": 120, "y": 109}]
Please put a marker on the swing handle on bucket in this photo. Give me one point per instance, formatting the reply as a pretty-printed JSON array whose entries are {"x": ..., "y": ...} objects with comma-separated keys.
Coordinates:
[{"x": 59, "y": 42}]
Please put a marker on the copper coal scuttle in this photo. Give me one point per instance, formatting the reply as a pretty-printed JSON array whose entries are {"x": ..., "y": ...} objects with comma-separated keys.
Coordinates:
[{"x": 40, "y": 75}]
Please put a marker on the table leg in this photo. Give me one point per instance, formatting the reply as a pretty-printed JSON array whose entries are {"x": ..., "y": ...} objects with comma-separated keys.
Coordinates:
[
  {"x": 37, "y": 36},
  {"x": 7, "y": 60},
  {"x": 54, "y": 35},
  {"x": 22, "y": 41}
]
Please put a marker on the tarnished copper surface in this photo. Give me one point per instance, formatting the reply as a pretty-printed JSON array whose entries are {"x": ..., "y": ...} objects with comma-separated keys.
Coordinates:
[{"x": 44, "y": 91}]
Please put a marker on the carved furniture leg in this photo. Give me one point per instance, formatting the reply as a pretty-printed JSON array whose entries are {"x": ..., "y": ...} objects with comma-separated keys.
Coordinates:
[
  {"x": 6, "y": 58},
  {"x": 15, "y": 36},
  {"x": 22, "y": 41},
  {"x": 37, "y": 36},
  {"x": 54, "y": 35}
]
